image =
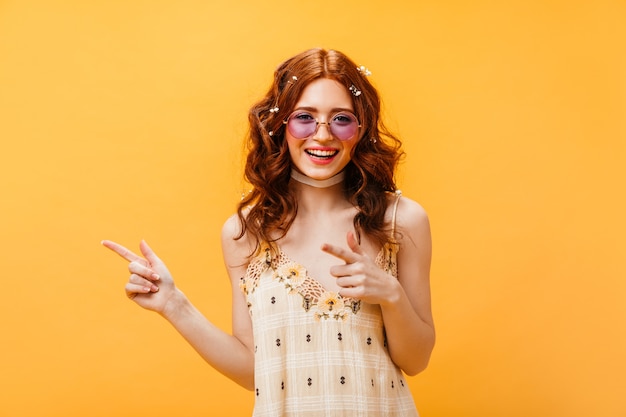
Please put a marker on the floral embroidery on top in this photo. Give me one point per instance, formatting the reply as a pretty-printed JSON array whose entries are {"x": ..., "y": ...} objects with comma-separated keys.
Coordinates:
[
  {"x": 324, "y": 304},
  {"x": 259, "y": 263},
  {"x": 331, "y": 306},
  {"x": 243, "y": 286},
  {"x": 387, "y": 258},
  {"x": 292, "y": 275},
  {"x": 315, "y": 298}
]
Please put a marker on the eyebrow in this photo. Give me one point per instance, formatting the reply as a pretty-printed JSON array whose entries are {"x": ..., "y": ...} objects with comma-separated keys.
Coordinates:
[{"x": 332, "y": 111}]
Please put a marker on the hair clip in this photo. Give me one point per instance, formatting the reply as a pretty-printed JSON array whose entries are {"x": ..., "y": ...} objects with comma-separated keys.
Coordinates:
[
  {"x": 274, "y": 110},
  {"x": 364, "y": 70},
  {"x": 355, "y": 90}
]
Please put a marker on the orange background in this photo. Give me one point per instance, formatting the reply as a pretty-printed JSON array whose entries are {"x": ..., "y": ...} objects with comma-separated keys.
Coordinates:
[{"x": 123, "y": 120}]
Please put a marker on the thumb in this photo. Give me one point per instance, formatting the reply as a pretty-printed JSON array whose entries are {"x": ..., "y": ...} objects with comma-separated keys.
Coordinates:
[
  {"x": 148, "y": 253},
  {"x": 353, "y": 244}
]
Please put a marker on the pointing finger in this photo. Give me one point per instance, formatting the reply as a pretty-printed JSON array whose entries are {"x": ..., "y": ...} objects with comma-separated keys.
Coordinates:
[
  {"x": 122, "y": 251},
  {"x": 346, "y": 255},
  {"x": 349, "y": 256}
]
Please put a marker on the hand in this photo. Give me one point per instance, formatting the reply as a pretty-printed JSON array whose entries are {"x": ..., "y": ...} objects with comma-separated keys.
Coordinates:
[
  {"x": 150, "y": 284},
  {"x": 360, "y": 277}
]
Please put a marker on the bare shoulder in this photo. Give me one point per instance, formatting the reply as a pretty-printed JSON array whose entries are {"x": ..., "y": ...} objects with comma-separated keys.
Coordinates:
[
  {"x": 410, "y": 215},
  {"x": 236, "y": 250},
  {"x": 415, "y": 251},
  {"x": 231, "y": 228}
]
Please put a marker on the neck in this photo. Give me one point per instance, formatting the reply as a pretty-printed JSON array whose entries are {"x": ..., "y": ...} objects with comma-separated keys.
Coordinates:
[{"x": 329, "y": 182}]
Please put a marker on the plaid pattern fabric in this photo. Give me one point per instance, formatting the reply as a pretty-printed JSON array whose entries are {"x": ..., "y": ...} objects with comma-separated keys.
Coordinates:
[{"x": 316, "y": 353}]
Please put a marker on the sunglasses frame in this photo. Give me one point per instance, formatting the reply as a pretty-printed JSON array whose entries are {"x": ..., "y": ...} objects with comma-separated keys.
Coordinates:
[{"x": 328, "y": 124}]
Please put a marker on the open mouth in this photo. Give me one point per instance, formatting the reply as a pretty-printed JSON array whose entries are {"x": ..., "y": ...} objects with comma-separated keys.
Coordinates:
[{"x": 322, "y": 154}]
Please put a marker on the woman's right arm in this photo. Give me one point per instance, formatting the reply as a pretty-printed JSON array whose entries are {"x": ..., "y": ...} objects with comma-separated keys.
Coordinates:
[{"x": 151, "y": 286}]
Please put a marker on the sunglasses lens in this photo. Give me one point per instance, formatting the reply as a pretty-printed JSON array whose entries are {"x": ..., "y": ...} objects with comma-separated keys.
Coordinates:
[
  {"x": 343, "y": 126},
  {"x": 302, "y": 125}
]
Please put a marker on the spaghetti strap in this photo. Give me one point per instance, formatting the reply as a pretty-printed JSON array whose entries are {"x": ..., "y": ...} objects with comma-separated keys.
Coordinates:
[{"x": 393, "y": 218}]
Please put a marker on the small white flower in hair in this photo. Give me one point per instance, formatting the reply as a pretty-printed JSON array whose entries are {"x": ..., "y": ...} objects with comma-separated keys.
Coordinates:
[
  {"x": 355, "y": 91},
  {"x": 274, "y": 110},
  {"x": 294, "y": 78},
  {"x": 364, "y": 70}
]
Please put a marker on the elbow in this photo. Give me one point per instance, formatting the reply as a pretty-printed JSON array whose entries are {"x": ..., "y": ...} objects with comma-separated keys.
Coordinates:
[
  {"x": 247, "y": 383},
  {"x": 417, "y": 367},
  {"x": 244, "y": 378},
  {"x": 420, "y": 363}
]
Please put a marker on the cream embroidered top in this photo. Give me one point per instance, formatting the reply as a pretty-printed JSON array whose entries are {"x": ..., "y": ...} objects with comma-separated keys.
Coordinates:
[{"x": 316, "y": 353}]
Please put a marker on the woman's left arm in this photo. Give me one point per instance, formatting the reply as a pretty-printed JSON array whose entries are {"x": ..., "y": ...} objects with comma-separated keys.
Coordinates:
[
  {"x": 407, "y": 313},
  {"x": 405, "y": 302}
]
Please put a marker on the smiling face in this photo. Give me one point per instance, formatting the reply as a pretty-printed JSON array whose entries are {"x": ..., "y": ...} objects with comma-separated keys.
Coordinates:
[{"x": 322, "y": 155}]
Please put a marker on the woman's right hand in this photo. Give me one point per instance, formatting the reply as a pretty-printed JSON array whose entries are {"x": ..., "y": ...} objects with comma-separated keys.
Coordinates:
[{"x": 150, "y": 284}]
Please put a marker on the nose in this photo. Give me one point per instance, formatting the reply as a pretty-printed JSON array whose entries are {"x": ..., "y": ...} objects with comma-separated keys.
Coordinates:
[{"x": 322, "y": 134}]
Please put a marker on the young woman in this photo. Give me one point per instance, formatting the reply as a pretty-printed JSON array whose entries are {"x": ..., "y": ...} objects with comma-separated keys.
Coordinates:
[{"x": 329, "y": 265}]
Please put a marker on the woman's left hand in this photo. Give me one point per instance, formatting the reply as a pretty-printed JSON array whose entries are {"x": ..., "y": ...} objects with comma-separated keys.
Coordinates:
[{"x": 360, "y": 277}]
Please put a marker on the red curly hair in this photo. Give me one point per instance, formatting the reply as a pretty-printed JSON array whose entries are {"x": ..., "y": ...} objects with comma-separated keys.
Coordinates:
[{"x": 267, "y": 212}]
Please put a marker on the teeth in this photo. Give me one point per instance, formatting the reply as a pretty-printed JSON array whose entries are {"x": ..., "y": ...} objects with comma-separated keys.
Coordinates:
[{"x": 321, "y": 153}]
